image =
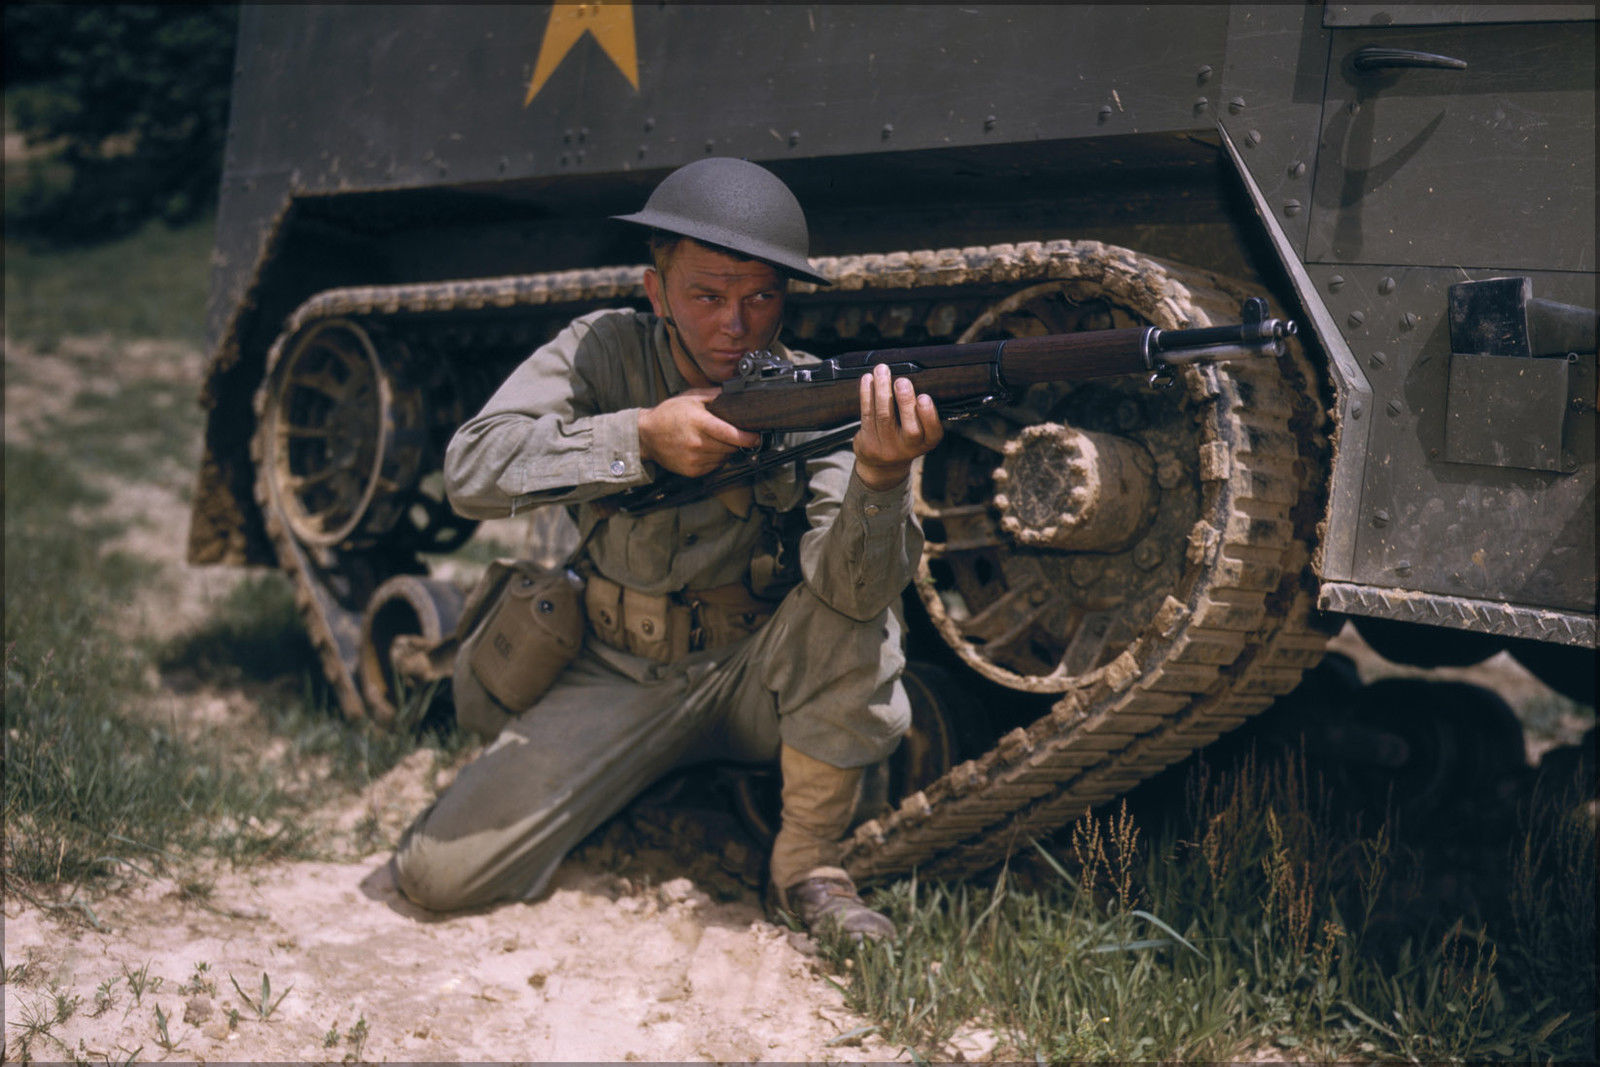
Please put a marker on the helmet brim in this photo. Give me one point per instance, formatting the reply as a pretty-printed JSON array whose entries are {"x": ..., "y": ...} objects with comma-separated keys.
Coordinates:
[{"x": 719, "y": 237}]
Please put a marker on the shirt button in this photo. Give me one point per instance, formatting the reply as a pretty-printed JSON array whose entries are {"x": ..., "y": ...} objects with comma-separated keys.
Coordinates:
[
  {"x": 871, "y": 510},
  {"x": 690, "y": 539},
  {"x": 617, "y": 466}
]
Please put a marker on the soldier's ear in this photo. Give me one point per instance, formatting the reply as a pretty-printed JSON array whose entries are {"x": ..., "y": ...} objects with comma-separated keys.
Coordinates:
[{"x": 652, "y": 290}]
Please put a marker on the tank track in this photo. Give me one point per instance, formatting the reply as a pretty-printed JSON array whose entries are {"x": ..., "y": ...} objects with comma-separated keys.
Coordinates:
[{"x": 1221, "y": 650}]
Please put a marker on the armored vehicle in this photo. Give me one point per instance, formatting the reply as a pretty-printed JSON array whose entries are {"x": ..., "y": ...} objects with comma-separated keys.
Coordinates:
[{"x": 416, "y": 197}]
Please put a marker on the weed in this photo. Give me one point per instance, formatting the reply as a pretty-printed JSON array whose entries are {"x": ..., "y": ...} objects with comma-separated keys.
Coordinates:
[
  {"x": 331, "y": 1038},
  {"x": 200, "y": 982},
  {"x": 105, "y": 996},
  {"x": 141, "y": 981},
  {"x": 1269, "y": 920},
  {"x": 356, "y": 1038},
  {"x": 163, "y": 1038},
  {"x": 38, "y": 1018},
  {"x": 262, "y": 1004},
  {"x": 195, "y": 889}
]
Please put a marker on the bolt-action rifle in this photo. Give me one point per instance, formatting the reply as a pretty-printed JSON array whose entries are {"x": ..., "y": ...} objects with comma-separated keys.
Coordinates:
[{"x": 771, "y": 395}]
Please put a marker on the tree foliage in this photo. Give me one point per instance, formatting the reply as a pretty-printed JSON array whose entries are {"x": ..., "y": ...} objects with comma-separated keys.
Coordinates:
[{"x": 130, "y": 100}]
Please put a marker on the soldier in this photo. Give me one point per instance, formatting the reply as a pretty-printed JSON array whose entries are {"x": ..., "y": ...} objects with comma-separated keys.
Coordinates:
[{"x": 695, "y": 649}]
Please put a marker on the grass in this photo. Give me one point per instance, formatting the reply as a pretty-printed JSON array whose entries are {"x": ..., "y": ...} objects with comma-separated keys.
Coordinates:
[
  {"x": 97, "y": 791},
  {"x": 1258, "y": 920},
  {"x": 150, "y": 284},
  {"x": 91, "y": 790}
]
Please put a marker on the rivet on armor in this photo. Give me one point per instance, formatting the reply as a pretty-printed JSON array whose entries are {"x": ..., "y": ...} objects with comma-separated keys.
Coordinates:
[
  {"x": 887, "y": 131},
  {"x": 989, "y": 123},
  {"x": 1291, "y": 207},
  {"x": 1201, "y": 103},
  {"x": 1380, "y": 518},
  {"x": 1377, "y": 360},
  {"x": 649, "y": 124},
  {"x": 1000, "y": 476},
  {"x": 1410, "y": 319},
  {"x": 1394, "y": 407},
  {"x": 1404, "y": 566},
  {"x": 1236, "y": 105},
  {"x": 1203, "y": 74},
  {"x": 1356, "y": 409},
  {"x": 1386, "y": 286},
  {"x": 1000, "y": 500},
  {"x": 1252, "y": 138},
  {"x": 1336, "y": 283},
  {"x": 1105, "y": 113},
  {"x": 794, "y": 138},
  {"x": 711, "y": 145},
  {"x": 1297, "y": 169},
  {"x": 1357, "y": 318}
]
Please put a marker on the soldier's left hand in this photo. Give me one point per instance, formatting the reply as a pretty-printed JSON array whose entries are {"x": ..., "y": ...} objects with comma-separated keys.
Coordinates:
[{"x": 897, "y": 425}]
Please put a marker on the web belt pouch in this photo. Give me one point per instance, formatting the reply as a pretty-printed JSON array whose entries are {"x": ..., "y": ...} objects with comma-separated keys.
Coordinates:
[
  {"x": 652, "y": 626},
  {"x": 531, "y": 631},
  {"x": 726, "y": 614}
]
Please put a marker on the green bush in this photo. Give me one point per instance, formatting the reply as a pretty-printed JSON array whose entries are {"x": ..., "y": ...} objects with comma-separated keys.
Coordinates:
[{"x": 132, "y": 99}]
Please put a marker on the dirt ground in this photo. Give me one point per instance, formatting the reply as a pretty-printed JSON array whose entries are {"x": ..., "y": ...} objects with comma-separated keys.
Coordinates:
[
  {"x": 625, "y": 959},
  {"x": 642, "y": 965}
]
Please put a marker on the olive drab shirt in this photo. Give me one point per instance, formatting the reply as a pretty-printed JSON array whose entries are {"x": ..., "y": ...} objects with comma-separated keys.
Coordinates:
[{"x": 563, "y": 428}]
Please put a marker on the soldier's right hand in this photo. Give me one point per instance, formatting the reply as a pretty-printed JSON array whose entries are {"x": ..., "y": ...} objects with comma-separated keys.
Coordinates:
[{"x": 682, "y": 436}]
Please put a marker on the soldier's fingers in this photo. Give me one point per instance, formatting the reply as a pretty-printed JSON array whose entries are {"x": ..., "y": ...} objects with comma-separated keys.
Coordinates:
[
  {"x": 725, "y": 435},
  {"x": 905, "y": 397},
  {"x": 928, "y": 415}
]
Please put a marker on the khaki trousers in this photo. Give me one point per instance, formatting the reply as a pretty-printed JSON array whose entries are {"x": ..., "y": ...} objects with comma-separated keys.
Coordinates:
[{"x": 818, "y": 681}]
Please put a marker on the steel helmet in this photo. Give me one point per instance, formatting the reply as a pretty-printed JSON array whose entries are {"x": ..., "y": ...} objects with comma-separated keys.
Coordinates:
[{"x": 737, "y": 205}]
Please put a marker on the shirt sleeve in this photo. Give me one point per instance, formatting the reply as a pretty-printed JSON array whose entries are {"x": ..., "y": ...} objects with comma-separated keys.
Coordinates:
[
  {"x": 863, "y": 546},
  {"x": 543, "y": 437}
]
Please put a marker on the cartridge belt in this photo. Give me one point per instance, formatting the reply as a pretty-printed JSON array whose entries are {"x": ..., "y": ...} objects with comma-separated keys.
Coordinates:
[{"x": 667, "y": 627}]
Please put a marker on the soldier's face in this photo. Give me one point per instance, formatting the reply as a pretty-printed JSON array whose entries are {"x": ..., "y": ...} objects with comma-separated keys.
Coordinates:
[{"x": 723, "y": 306}]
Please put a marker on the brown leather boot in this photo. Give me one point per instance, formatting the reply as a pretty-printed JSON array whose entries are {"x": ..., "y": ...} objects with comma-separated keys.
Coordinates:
[
  {"x": 827, "y": 902},
  {"x": 818, "y": 799}
]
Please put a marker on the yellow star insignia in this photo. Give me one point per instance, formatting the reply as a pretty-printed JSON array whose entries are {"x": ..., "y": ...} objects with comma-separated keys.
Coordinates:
[{"x": 610, "y": 22}]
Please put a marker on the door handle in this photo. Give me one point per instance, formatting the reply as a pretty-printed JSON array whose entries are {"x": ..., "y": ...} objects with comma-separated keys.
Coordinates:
[{"x": 1379, "y": 57}]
